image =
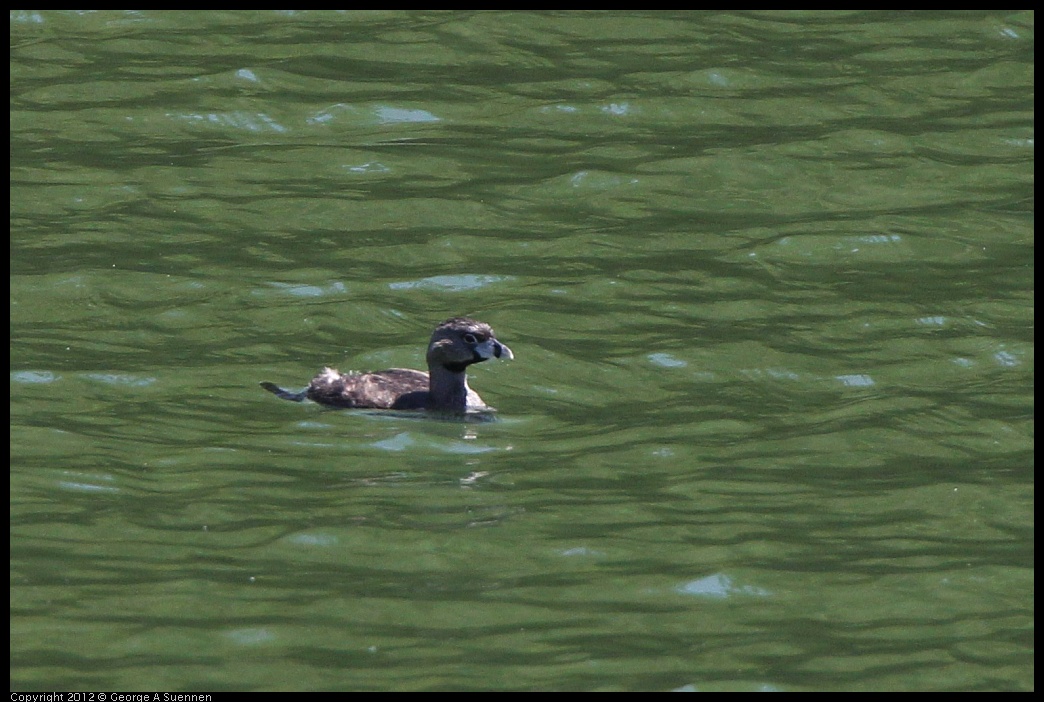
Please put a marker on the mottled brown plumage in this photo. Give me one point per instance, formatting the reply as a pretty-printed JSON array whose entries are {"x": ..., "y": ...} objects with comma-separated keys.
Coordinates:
[{"x": 455, "y": 344}]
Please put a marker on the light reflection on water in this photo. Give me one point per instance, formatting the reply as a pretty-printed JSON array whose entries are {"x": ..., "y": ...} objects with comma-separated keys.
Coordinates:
[{"x": 769, "y": 425}]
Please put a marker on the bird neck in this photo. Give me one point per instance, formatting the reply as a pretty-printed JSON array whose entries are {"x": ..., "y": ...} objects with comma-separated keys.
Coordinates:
[{"x": 447, "y": 389}]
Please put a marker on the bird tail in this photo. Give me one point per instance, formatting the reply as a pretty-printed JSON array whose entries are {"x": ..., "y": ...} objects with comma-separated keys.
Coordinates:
[{"x": 285, "y": 394}]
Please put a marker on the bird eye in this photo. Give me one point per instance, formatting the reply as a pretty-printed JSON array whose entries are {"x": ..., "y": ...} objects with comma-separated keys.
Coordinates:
[{"x": 470, "y": 338}]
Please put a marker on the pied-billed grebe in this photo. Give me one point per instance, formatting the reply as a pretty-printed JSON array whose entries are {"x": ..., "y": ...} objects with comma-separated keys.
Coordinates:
[{"x": 455, "y": 345}]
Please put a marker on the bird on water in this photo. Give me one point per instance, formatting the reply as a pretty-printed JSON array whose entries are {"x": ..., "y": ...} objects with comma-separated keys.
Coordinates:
[{"x": 455, "y": 344}]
